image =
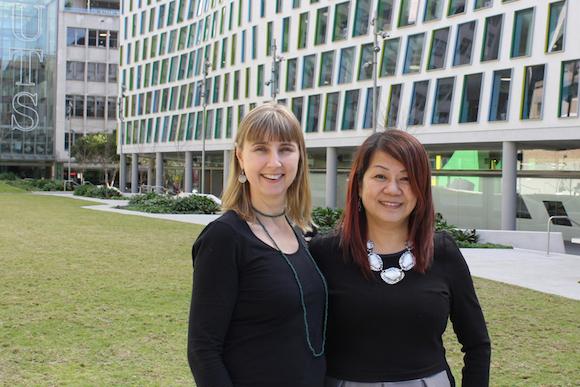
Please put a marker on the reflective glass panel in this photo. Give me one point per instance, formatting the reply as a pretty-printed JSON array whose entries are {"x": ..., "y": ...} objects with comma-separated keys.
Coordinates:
[
  {"x": 418, "y": 103},
  {"x": 500, "y": 95},
  {"x": 443, "y": 100},
  {"x": 470, "y": 98}
]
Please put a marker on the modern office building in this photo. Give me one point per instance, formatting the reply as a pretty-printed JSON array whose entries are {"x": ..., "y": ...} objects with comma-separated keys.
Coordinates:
[
  {"x": 489, "y": 86},
  {"x": 55, "y": 54}
]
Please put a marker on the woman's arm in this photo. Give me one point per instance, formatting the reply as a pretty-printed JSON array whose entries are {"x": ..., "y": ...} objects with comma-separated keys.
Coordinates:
[
  {"x": 467, "y": 318},
  {"x": 215, "y": 287}
]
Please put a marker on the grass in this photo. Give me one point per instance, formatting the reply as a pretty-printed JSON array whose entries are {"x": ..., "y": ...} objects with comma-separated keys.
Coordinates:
[{"x": 94, "y": 298}]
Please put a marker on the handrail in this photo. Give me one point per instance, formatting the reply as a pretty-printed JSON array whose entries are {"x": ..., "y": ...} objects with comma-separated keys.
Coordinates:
[{"x": 550, "y": 225}]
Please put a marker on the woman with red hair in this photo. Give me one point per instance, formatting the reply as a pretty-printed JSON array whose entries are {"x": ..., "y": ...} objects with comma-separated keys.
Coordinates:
[{"x": 393, "y": 282}]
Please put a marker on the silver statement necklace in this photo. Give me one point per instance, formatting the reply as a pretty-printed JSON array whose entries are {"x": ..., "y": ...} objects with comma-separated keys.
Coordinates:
[{"x": 391, "y": 275}]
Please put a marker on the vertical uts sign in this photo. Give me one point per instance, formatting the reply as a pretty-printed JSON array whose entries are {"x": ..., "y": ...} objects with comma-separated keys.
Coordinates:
[{"x": 26, "y": 29}]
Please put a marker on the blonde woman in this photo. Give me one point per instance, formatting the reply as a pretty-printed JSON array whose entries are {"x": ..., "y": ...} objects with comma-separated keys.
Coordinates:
[{"x": 258, "y": 308}]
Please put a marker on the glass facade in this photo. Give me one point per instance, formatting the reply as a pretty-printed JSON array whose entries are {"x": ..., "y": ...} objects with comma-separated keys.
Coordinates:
[{"x": 27, "y": 79}]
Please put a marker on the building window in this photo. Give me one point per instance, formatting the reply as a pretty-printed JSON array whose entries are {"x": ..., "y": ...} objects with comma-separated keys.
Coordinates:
[
  {"x": 113, "y": 39},
  {"x": 113, "y": 68},
  {"x": 384, "y": 14},
  {"x": 523, "y": 33},
  {"x": 346, "y": 65},
  {"x": 569, "y": 89},
  {"x": 75, "y": 71},
  {"x": 340, "y": 31},
  {"x": 308, "y": 71},
  {"x": 438, "y": 49},
  {"x": 456, "y": 7},
  {"x": 482, "y": 4},
  {"x": 297, "y": 103},
  {"x": 361, "y": 18},
  {"x": 96, "y": 72},
  {"x": 229, "y": 121},
  {"x": 269, "y": 27},
  {"x": 217, "y": 130},
  {"x": 321, "y": 26},
  {"x": 313, "y": 113},
  {"x": 76, "y": 36},
  {"x": 100, "y": 107},
  {"x": 408, "y": 12},
  {"x": 414, "y": 53},
  {"x": 470, "y": 98},
  {"x": 443, "y": 100},
  {"x": 111, "y": 107},
  {"x": 303, "y": 30},
  {"x": 533, "y": 92},
  {"x": 349, "y": 116},
  {"x": 491, "y": 38},
  {"x": 433, "y": 10},
  {"x": 464, "y": 44},
  {"x": 368, "y": 117},
  {"x": 418, "y": 103},
  {"x": 393, "y": 106},
  {"x": 365, "y": 67},
  {"x": 556, "y": 208},
  {"x": 500, "y": 95},
  {"x": 326, "y": 66},
  {"x": 285, "y": 34},
  {"x": 331, "y": 112},
  {"x": 390, "y": 57},
  {"x": 260, "y": 81},
  {"x": 556, "y": 26},
  {"x": 291, "y": 75},
  {"x": 90, "y": 106}
]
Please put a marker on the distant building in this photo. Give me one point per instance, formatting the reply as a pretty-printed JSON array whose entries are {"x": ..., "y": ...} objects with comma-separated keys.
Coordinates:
[
  {"x": 55, "y": 54},
  {"x": 489, "y": 86}
]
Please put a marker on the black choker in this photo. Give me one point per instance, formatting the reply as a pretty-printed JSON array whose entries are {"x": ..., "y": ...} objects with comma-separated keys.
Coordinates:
[{"x": 269, "y": 215}]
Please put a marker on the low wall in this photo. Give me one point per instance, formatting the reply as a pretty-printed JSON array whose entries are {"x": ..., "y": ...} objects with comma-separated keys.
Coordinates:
[{"x": 532, "y": 240}]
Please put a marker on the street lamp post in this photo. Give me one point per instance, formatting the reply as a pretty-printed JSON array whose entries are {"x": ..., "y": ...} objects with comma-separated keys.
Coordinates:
[
  {"x": 273, "y": 81},
  {"x": 69, "y": 108},
  {"x": 206, "y": 66},
  {"x": 376, "y": 49}
]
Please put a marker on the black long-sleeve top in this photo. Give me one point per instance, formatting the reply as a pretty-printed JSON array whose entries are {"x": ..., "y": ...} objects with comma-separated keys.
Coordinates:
[
  {"x": 246, "y": 326},
  {"x": 380, "y": 333}
]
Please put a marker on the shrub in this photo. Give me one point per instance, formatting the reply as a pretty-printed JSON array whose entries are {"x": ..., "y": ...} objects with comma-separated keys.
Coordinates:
[
  {"x": 164, "y": 204},
  {"x": 326, "y": 218},
  {"x": 8, "y": 176},
  {"x": 463, "y": 238},
  {"x": 97, "y": 191},
  {"x": 38, "y": 184}
]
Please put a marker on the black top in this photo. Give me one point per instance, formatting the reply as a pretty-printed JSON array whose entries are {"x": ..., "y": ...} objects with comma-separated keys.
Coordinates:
[
  {"x": 246, "y": 324},
  {"x": 379, "y": 332}
]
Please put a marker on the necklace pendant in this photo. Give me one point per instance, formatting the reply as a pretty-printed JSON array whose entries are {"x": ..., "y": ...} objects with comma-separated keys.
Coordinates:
[
  {"x": 375, "y": 262},
  {"x": 392, "y": 275},
  {"x": 407, "y": 260}
]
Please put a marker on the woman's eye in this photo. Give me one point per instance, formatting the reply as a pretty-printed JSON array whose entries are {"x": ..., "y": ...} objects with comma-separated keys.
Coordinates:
[
  {"x": 405, "y": 178},
  {"x": 380, "y": 177}
]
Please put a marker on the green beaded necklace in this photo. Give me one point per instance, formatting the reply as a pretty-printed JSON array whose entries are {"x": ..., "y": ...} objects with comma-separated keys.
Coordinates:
[{"x": 300, "y": 289}]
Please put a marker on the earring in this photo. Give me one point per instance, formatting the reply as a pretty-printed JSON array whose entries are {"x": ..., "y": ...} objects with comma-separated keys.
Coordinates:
[{"x": 242, "y": 177}]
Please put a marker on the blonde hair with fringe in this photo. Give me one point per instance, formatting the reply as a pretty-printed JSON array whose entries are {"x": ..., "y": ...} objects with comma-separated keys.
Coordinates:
[{"x": 271, "y": 122}]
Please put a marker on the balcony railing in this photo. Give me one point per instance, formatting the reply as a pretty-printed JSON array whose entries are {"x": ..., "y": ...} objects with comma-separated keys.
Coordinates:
[{"x": 94, "y": 11}]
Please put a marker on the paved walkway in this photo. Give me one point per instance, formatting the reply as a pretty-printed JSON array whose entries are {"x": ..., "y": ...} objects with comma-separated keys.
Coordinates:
[{"x": 557, "y": 274}]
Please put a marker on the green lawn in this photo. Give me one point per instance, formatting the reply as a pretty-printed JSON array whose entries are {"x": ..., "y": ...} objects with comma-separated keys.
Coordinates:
[{"x": 94, "y": 298}]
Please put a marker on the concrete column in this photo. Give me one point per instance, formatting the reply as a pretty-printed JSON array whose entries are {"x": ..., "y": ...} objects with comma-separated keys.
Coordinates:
[
  {"x": 331, "y": 172},
  {"x": 122, "y": 172},
  {"x": 158, "y": 172},
  {"x": 188, "y": 175},
  {"x": 149, "y": 175},
  {"x": 134, "y": 172},
  {"x": 508, "y": 186},
  {"x": 227, "y": 161}
]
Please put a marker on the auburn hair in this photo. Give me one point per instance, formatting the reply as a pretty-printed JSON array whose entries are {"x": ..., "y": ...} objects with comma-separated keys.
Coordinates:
[
  {"x": 271, "y": 122},
  {"x": 407, "y": 150}
]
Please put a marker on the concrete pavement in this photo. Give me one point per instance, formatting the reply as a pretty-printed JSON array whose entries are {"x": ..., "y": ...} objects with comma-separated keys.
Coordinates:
[{"x": 557, "y": 274}]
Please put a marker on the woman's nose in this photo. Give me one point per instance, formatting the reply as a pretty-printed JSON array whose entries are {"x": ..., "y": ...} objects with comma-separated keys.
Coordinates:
[
  {"x": 392, "y": 186},
  {"x": 274, "y": 159}
]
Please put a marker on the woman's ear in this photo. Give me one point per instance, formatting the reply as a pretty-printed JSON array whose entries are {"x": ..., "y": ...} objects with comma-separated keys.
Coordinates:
[{"x": 239, "y": 156}]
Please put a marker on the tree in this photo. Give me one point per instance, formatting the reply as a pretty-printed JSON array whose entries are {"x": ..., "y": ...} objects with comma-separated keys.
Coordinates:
[{"x": 98, "y": 148}]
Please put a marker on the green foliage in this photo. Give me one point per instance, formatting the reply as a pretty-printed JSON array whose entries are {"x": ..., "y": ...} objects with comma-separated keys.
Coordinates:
[
  {"x": 463, "y": 238},
  {"x": 96, "y": 148},
  {"x": 37, "y": 184},
  {"x": 164, "y": 204},
  {"x": 8, "y": 176},
  {"x": 97, "y": 191},
  {"x": 326, "y": 218}
]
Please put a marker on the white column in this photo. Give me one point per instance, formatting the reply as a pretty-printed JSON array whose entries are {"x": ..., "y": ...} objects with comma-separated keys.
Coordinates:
[
  {"x": 331, "y": 172},
  {"x": 508, "y": 186},
  {"x": 122, "y": 172},
  {"x": 158, "y": 172},
  {"x": 188, "y": 173},
  {"x": 134, "y": 172}
]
